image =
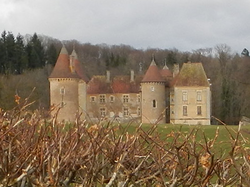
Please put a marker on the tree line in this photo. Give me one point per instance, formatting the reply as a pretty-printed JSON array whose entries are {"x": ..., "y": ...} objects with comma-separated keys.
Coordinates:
[
  {"x": 22, "y": 55},
  {"x": 18, "y": 54}
]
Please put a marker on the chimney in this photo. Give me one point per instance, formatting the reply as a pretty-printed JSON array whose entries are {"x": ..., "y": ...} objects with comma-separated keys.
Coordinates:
[
  {"x": 176, "y": 70},
  {"x": 132, "y": 76},
  {"x": 107, "y": 76}
]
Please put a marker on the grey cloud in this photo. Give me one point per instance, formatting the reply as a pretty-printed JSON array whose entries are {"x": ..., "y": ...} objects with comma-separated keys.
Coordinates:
[{"x": 183, "y": 24}]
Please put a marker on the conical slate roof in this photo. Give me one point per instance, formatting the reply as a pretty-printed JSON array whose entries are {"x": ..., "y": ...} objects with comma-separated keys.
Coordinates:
[
  {"x": 78, "y": 67},
  {"x": 153, "y": 74},
  {"x": 191, "y": 74},
  {"x": 62, "y": 67},
  {"x": 166, "y": 73}
]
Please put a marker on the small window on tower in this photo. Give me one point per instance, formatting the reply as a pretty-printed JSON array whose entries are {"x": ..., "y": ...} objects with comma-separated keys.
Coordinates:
[
  {"x": 138, "y": 111},
  {"x": 154, "y": 103},
  {"x": 62, "y": 91}
]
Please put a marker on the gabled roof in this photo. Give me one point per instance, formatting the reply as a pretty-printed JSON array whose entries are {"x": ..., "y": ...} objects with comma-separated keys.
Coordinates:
[
  {"x": 153, "y": 74},
  {"x": 62, "y": 67},
  {"x": 191, "y": 74}
]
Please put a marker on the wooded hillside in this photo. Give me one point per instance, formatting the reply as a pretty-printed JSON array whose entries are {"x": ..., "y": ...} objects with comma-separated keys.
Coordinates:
[{"x": 26, "y": 61}]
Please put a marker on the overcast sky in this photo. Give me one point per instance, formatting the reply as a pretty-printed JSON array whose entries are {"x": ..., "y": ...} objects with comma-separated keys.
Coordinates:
[{"x": 182, "y": 24}]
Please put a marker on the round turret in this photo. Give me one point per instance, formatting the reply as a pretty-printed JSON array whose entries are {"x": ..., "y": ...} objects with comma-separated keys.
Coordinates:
[{"x": 153, "y": 96}]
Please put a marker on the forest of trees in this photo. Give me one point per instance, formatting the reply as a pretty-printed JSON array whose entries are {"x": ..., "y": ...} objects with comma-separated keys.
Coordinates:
[{"x": 26, "y": 62}]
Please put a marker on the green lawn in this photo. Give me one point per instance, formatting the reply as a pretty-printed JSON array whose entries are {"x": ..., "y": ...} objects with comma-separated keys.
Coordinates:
[{"x": 223, "y": 143}]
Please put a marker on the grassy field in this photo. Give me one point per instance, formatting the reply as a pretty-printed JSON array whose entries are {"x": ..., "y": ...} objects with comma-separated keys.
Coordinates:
[{"x": 223, "y": 142}]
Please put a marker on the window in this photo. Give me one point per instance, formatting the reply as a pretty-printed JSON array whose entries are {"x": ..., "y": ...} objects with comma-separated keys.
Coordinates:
[
  {"x": 125, "y": 98},
  {"x": 138, "y": 111},
  {"x": 63, "y": 104},
  {"x": 111, "y": 99},
  {"x": 185, "y": 111},
  {"x": 103, "y": 112},
  {"x": 184, "y": 96},
  {"x": 198, "y": 97},
  {"x": 199, "y": 110},
  {"x": 154, "y": 103},
  {"x": 92, "y": 99},
  {"x": 152, "y": 88},
  {"x": 102, "y": 98},
  {"x": 62, "y": 91},
  {"x": 138, "y": 98},
  {"x": 125, "y": 111}
]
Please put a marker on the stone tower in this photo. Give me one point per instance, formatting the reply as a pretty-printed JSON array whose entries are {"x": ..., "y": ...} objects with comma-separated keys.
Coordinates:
[
  {"x": 153, "y": 96},
  {"x": 68, "y": 87}
]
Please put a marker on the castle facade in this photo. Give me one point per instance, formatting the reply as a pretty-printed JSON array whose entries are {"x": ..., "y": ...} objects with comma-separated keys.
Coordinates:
[{"x": 160, "y": 96}]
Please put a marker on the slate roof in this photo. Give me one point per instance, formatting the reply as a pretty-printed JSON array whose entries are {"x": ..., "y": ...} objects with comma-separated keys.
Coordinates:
[
  {"x": 153, "y": 74},
  {"x": 191, "y": 74},
  {"x": 166, "y": 73},
  {"x": 119, "y": 84},
  {"x": 62, "y": 67}
]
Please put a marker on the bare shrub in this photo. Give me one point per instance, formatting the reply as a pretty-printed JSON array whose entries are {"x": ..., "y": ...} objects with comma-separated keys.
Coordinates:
[{"x": 39, "y": 152}]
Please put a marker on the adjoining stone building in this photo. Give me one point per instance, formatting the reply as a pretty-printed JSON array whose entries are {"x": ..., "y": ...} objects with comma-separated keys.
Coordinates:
[
  {"x": 159, "y": 96},
  {"x": 190, "y": 96}
]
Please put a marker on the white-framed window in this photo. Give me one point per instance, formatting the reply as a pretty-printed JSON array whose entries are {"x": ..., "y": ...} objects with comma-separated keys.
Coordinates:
[
  {"x": 199, "y": 96},
  {"x": 111, "y": 99},
  {"x": 138, "y": 98},
  {"x": 92, "y": 99},
  {"x": 102, "y": 98},
  {"x": 199, "y": 111},
  {"x": 125, "y": 98},
  {"x": 62, "y": 91},
  {"x": 152, "y": 88},
  {"x": 154, "y": 103},
  {"x": 184, "y": 96},
  {"x": 185, "y": 110},
  {"x": 103, "y": 111},
  {"x": 125, "y": 111}
]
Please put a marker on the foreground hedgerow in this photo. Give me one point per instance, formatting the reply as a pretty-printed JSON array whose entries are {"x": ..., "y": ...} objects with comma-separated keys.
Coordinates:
[{"x": 38, "y": 152}]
